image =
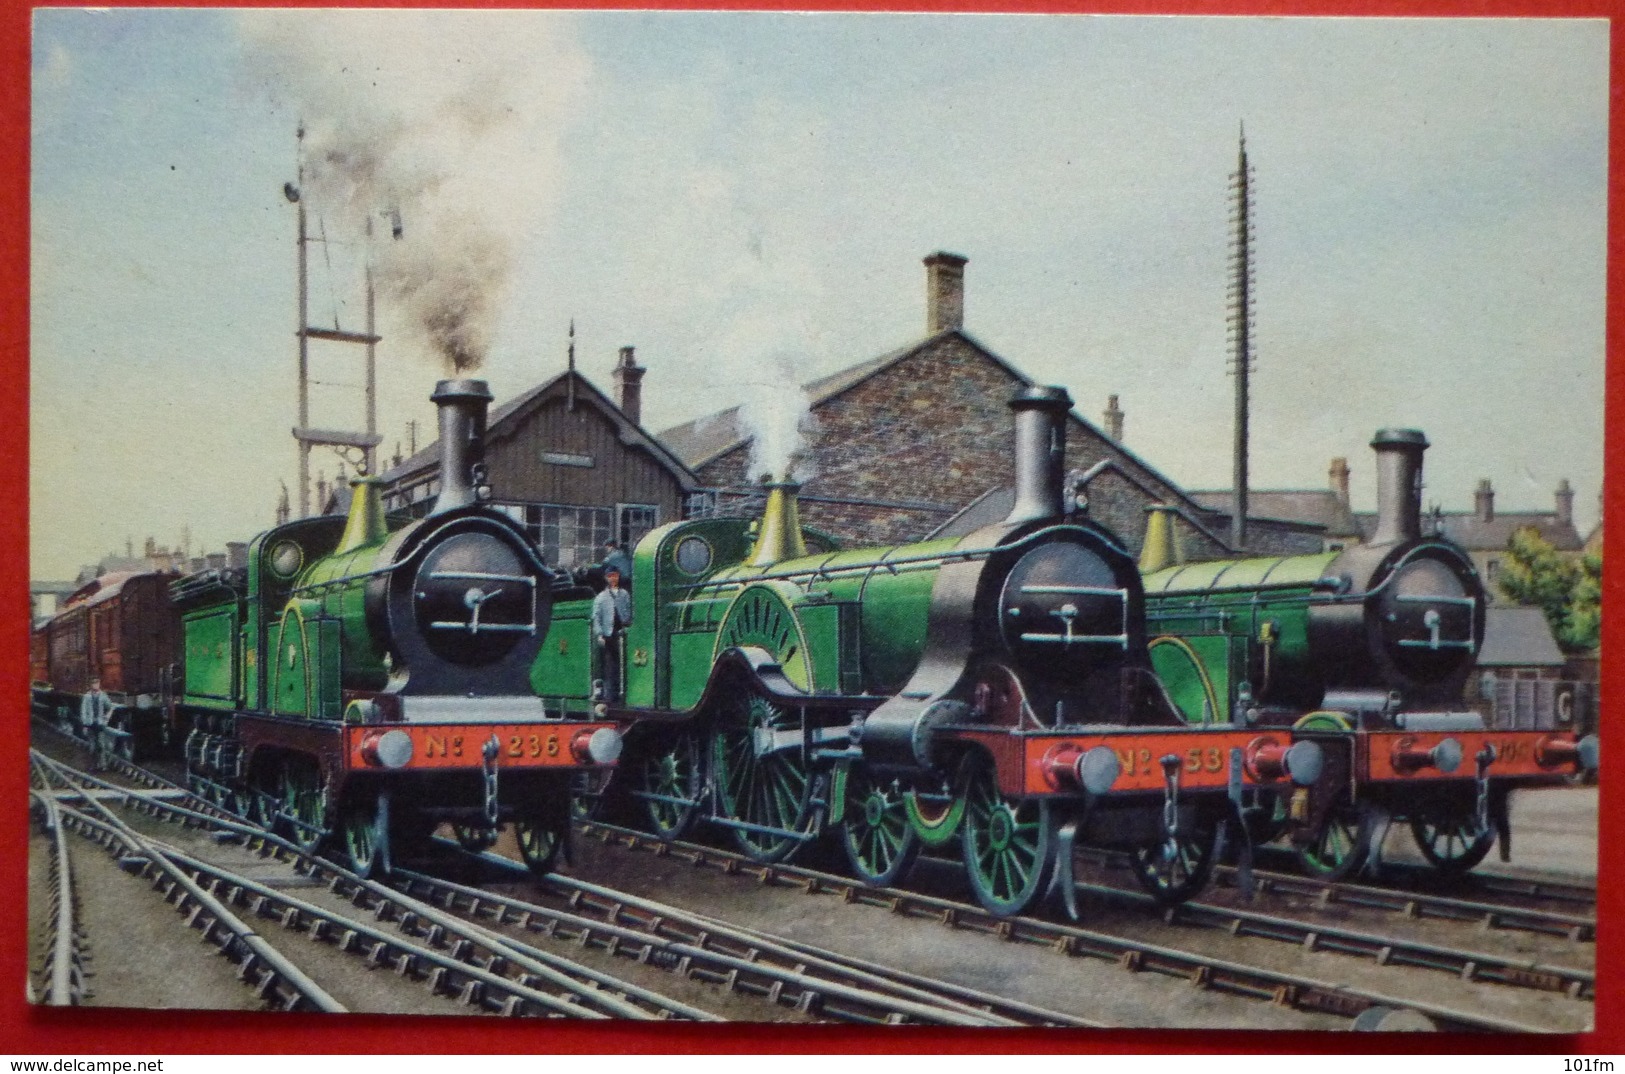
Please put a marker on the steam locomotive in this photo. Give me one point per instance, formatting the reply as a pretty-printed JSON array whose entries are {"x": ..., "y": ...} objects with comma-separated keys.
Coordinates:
[
  {"x": 994, "y": 691},
  {"x": 366, "y": 685},
  {"x": 1364, "y": 652}
]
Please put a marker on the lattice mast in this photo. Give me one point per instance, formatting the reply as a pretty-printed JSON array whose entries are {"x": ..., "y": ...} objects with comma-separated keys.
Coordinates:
[
  {"x": 356, "y": 448},
  {"x": 1240, "y": 323}
]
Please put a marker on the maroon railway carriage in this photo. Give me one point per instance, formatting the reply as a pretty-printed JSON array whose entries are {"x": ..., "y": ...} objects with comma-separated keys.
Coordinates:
[{"x": 121, "y": 630}]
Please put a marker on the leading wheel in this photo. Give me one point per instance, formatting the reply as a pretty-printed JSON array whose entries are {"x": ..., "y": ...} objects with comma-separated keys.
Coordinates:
[
  {"x": 364, "y": 839},
  {"x": 539, "y": 844},
  {"x": 475, "y": 838},
  {"x": 1452, "y": 843},
  {"x": 1007, "y": 843},
  {"x": 1176, "y": 869},
  {"x": 879, "y": 841},
  {"x": 761, "y": 777},
  {"x": 1340, "y": 846},
  {"x": 673, "y": 777}
]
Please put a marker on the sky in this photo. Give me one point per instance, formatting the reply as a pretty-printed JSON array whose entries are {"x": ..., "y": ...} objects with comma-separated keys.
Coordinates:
[{"x": 747, "y": 197}]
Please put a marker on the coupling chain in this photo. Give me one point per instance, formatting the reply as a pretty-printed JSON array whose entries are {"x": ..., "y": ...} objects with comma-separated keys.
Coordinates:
[
  {"x": 488, "y": 766},
  {"x": 1485, "y": 758},
  {"x": 1170, "y": 798}
]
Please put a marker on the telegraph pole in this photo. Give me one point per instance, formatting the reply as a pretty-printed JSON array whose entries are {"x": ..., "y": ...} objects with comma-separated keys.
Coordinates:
[{"x": 1240, "y": 326}]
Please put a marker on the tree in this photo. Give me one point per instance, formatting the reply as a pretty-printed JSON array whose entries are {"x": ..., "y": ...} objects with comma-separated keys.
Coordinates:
[{"x": 1567, "y": 590}]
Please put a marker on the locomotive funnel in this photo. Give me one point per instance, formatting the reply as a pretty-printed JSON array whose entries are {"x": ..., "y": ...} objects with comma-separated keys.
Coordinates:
[
  {"x": 779, "y": 535},
  {"x": 1040, "y": 452},
  {"x": 366, "y": 522},
  {"x": 1161, "y": 548},
  {"x": 462, "y": 406},
  {"x": 1399, "y": 485}
]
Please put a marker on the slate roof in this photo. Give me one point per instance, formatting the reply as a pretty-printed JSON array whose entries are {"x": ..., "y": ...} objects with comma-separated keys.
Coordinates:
[
  {"x": 1314, "y": 507},
  {"x": 1518, "y": 637},
  {"x": 1476, "y": 534}
]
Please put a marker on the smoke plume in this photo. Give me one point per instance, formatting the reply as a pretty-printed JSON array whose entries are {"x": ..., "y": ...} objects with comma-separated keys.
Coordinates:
[{"x": 434, "y": 133}]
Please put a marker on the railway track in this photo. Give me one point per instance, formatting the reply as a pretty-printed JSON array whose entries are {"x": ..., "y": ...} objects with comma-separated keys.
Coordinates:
[
  {"x": 449, "y": 956},
  {"x": 1559, "y": 897},
  {"x": 1412, "y": 903},
  {"x": 740, "y": 960},
  {"x": 1259, "y": 983},
  {"x": 64, "y": 971},
  {"x": 805, "y": 978},
  {"x": 833, "y": 986},
  {"x": 273, "y": 977}
]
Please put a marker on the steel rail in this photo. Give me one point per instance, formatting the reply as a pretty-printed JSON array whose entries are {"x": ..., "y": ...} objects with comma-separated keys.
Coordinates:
[
  {"x": 66, "y": 984},
  {"x": 294, "y": 989},
  {"x": 615, "y": 905},
  {"x": 1384, "y": 950},
  {"x": 1420, "y": 904},
  {"x": 1285, "y": 989},
  {"x": 744, "y": 967},
  {"x": 600, "y": 991},
  {"x": 1408, "y": 876}
]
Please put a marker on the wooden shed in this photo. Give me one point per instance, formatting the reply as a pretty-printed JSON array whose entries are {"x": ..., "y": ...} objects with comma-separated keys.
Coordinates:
[{"x": 569, "y": 463}]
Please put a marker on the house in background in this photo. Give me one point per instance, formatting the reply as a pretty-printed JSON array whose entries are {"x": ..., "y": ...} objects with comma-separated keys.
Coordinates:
[{"x": 1486, "y": 532}]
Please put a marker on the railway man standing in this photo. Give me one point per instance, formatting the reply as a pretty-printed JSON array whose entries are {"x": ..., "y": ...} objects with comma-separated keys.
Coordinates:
[
  {"x": 94, "y": 711},
  {"x": 611, "y": 615}
]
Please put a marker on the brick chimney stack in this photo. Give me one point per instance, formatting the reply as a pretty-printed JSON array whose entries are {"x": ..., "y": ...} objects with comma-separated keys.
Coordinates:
[
  {"x": 1339, "y": 478},
  {"x": 1114, "y": 419},
  {"x": 629, "y": 386},
  {"x": 944, "y": 292},
  {"x": 1484, "y": 501},
  {"x": 1565, "y": 503}
]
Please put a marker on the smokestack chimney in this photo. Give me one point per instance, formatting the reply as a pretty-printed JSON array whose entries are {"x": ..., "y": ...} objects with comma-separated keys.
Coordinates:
[
  {"x": 1040, "y": 452},
  {"x": 462, "y": 406},
  {"x": 236, "y": 554},
  {"x": 629, "y": 386},
  {"x": 1484, "y": 501},
  {"x": 944, "y": 292},
  {"x": 1339, "y": 477},
  {"x": 1114, "y": 420},
  {"x": 1399, "y": 484},
  {"x": 1565, "y": 503},
  {"x": 778, "y": 536},
  {"x": 1161, "y": 548}
]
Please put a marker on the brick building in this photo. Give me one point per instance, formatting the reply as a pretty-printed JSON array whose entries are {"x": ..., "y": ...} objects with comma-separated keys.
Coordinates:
[{"x": 919, "y": 441}]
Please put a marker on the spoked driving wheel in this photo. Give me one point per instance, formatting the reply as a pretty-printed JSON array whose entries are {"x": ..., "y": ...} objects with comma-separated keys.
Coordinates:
[
  {"x": 1008, "y": 843},
  {"x": 364, "y": 836},
  {"x": 1452, "y": 842},
  {"x": 1339, "y": 847},
  {"x": 879, "y": 841},
  {"x": 1175, "y": 869},
  {"x": 673, "y": 778},
  {"x": 762, "y": 779},
  {"x": 302, "y": 804}
]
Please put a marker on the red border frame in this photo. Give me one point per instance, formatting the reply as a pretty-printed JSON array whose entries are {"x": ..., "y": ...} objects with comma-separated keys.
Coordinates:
[{"x": 51, "y": 1032}]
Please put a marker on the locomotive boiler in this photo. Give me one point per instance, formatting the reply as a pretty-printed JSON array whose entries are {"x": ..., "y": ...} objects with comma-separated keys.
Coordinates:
[
  {"x": 991, "y": 693},
  {"x": 367, "y": 685},
  {"x": 1364, "y": 651}
]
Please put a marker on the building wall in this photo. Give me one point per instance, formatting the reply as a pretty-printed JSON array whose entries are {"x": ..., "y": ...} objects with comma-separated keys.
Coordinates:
[
  {"x": 926, "y": 436},
  {"x": 519, "y": 468}
]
